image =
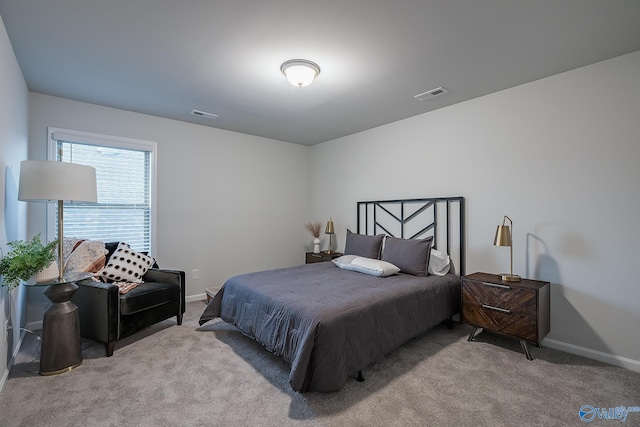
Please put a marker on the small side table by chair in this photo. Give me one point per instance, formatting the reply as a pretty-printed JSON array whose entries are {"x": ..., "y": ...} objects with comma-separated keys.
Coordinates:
[{"x": 61, "y": 344}]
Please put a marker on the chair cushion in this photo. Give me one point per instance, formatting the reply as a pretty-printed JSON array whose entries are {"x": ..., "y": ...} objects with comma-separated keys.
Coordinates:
[{"x": 148, "y": 295}]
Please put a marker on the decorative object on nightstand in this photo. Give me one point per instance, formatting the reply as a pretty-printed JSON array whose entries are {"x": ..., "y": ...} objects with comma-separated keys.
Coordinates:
[
  {"x": 503, "y": 238},
  {"x": 516, "y": 309},
  {"x": 314, "y": 229},
  {"x": 331, "y": 232},
  {"x": 48, "y": 181},
  {"x": 321, "y": 257}
]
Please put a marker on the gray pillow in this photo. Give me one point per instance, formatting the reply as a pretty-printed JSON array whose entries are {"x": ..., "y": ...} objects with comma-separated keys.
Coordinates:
[
  {"x": 410, "y": 255},
  {"x": 363, "y": 245}
]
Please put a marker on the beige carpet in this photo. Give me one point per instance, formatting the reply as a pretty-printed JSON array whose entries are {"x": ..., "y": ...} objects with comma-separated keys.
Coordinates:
[{"x": 214, "y": 376}]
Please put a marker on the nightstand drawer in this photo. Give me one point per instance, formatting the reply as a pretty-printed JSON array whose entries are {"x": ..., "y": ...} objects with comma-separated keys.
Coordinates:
[
  {"x": 518, "y": 300},
  {"x": 515, "y": 324}
]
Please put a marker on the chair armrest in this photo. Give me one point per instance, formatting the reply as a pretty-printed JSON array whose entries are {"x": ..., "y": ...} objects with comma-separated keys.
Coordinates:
[
  {"x": 176, "y": 277},
  {"x": 163, "y": 275},
  {"x": 98, "y": 309}
]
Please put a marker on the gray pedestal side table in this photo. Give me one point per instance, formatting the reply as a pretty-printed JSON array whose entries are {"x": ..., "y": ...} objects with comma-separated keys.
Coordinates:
[{"x": 61, "y": 344}]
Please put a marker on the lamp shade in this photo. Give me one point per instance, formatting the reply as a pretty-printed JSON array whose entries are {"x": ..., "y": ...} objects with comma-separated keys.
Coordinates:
[
  {"x": 47, "y": 181},
  {"x": 503, "y": 236},
  {"x": 329, "y": 229}
]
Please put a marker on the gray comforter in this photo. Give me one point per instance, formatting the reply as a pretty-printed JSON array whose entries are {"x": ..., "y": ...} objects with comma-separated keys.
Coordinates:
[{"x": 330, "y": 323}]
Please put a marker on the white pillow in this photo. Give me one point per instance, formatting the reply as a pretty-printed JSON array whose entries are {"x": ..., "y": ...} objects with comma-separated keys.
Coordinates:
[
  {"x": 372, "y": 267},
  {"x": 439, "y": 263},
  {"x": 126, "y": 265}
]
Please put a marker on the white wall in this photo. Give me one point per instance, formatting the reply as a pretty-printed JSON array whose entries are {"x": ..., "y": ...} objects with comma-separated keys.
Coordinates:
[
  {"x": 228, "y": 203},
  {"x": 559, "y": 156},
  {"x": 13, "y": 149}
]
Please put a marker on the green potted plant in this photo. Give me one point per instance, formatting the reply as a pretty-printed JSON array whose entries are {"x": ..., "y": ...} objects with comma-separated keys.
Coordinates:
[{"x": 25, "y": 260}]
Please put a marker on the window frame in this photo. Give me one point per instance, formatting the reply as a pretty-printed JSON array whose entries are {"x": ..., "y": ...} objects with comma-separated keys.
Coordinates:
[{"x": 90, "y": 138}]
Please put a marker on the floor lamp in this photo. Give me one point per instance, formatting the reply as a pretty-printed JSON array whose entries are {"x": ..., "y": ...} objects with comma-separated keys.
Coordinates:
[{"x": 49, "y": 181}]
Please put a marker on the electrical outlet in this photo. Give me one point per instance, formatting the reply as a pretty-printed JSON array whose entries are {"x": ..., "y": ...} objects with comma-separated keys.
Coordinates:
[
  {"x": 6, "y": 330},
  {"x": 195, "y": 274}
]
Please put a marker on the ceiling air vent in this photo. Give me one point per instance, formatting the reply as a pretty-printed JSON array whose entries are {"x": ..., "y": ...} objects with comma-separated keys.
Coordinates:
[
  {"x": 204, "y": 114},
  {"x": 430, "y": 93}
]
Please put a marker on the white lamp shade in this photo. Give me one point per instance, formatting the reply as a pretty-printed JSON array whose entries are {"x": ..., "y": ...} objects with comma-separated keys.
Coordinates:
[{"x": 47, "y": 181}]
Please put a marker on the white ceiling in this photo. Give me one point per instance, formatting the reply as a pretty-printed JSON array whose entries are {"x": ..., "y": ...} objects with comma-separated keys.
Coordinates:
[{"x": 168, "y": 57}]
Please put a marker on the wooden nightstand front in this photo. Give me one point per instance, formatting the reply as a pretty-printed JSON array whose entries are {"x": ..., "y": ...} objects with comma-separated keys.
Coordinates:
[
  {"x": 321, "y": 257},
  {"x": 517, "y": 309}
]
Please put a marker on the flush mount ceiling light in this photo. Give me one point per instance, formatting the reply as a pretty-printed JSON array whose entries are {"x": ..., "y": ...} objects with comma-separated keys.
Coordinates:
[{"x": 300, "y": 72}]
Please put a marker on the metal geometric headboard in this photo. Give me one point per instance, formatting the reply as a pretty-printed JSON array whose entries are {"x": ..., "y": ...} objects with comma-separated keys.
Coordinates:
[{"x": 440, "y": 217}]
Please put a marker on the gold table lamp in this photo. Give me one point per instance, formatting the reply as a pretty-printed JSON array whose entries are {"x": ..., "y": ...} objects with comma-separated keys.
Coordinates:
[
  {"x": 503, "y": 238},
  {"x": 331, "y": 232}
]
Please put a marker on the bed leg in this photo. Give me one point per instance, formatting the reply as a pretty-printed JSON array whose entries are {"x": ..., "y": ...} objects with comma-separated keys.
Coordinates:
[
  {"x": 450, "y": 322},
  {"x": 360, "y": 377}
]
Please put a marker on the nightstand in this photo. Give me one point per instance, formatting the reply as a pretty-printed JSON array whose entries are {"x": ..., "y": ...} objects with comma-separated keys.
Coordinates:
[
  {"x": 517, "y": 309},
  {"x": 321, "y": 257}
]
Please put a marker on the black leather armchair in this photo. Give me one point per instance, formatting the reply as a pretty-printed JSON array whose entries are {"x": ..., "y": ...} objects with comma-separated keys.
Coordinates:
[{"x": 106, "y": 316}]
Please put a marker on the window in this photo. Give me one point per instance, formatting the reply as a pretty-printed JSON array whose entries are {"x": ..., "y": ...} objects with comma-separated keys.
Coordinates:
[{"x": 125, "y": 174}]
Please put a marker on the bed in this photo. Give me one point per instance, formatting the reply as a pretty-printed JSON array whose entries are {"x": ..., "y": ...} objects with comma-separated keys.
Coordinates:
[{"x": 329, "y": 323}]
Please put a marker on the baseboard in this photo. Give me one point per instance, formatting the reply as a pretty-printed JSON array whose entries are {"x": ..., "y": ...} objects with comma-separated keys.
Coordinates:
[
  {"x": 34, "y": 326},
  {"x": 197, "y": 297},
  {"x": 5, "y": 375},
  {"x": 4, "y": 378},
  {"x": 200, "y": 297},
  {"x": 611, "y": 359}
]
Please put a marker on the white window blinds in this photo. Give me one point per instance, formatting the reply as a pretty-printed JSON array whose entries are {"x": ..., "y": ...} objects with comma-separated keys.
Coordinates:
[{"x": 124, "y": 175}]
